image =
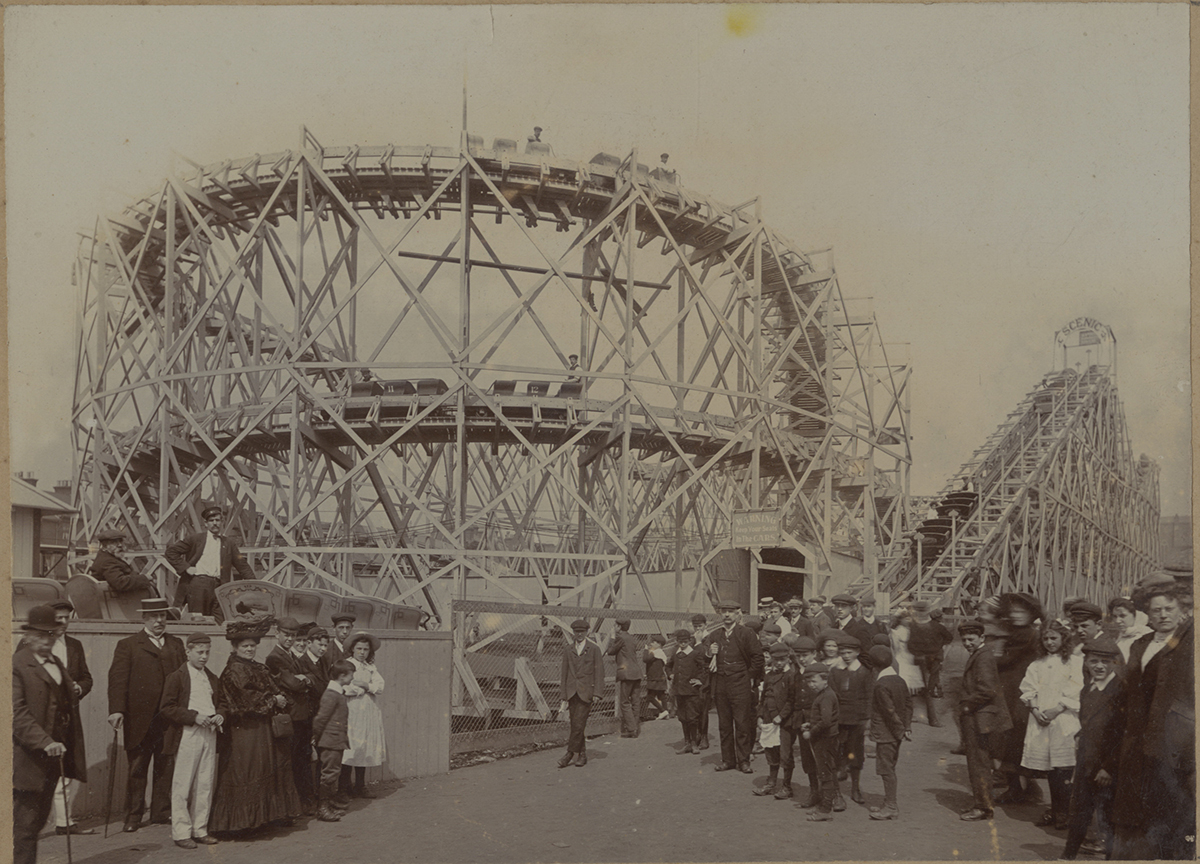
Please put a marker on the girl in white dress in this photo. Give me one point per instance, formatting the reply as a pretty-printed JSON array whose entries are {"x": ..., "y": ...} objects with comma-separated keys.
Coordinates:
[
  {"x": 365, "y": 721},
  {"x": 1051, "y": 689},
  {"x": 904, "y": 661}
]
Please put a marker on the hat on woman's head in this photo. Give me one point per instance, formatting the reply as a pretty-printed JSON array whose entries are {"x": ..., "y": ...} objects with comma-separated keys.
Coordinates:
[
  {"x": 248, "y": 627},
  {"x": 362, "y": 636}
]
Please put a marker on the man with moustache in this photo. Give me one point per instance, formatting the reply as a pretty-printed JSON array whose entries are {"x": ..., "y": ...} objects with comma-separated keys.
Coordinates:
[
  {"x": 735, "y": 658},
  {"x": 203, "y": 561},
  {"x": 69, "y": 652}
]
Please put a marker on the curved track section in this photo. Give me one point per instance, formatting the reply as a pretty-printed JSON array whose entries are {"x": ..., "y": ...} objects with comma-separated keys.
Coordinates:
[{"x": 423, "y": 372}]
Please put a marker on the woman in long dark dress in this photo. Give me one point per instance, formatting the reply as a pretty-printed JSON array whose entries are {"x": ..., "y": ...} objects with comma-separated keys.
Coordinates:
[{"x": 254, "y": 778}]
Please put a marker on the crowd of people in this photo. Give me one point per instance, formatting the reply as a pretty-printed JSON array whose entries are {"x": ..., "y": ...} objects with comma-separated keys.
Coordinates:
[
  {"x": 262, "y": 744},
  {"x": 1096, "y": 701}
]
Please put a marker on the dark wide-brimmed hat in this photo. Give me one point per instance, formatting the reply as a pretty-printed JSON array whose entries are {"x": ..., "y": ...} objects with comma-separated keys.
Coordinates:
[
  {"x": 250, "y": 627},
  {"x": 41, "y": 618},
  {"x": 362, "y": 636}
]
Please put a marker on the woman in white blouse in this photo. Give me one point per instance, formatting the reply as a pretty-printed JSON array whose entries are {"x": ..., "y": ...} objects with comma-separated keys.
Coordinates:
[
  {"x": 1122, "y": 613},
  {"x": 365, "y": 720}
]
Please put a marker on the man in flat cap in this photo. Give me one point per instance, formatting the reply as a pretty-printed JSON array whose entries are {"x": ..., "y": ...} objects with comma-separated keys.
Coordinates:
[
  {"x": 69, "y": 652},
  {"x": 735, "y": 659},
  {"x": 203, "y": 561},
  {"x": 140, "y": 666},
  {"x": 193, "y": 705},
  {"x": 292, "y": 677},
  {"x": 1085, "y": 619},
  {"x": 108, "y": 566},
  {"x": 983, "y": 713},
  {"x": 343, "y": 623},
  {"x": 47, "y": 732},
  {"x": 581, "y": 683},
  {"x": 629, "y": 677}
]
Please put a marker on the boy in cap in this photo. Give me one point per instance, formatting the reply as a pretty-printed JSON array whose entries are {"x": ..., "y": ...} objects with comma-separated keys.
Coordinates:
[
  {"x": 110, "y": 567},
  {"x": 852, "y": 684},
  {"x": 891, "y": 723},
  {"x": 629, "y": 678},
  {"x": 1098, "y": 748},
  {"x": 46, "y": 731},
  {"x": 820, "y": 729},
  {"x": 203, "y": 561},
  {"x": 689, "y": 677},
  {"x": 330, "y": 735},
  {"x": 699, "y": 631},
  {"x": 582, "y": 682},
  {"x": 193, "y": 704},
  {"x": 806, "y": 654},
  {"x": 774, "y": 715},
  {"x": 140, "y": 666},
  {"x": 69, "y": 652}
]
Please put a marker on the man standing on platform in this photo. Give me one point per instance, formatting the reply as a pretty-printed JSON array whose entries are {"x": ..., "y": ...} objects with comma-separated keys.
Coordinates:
[
  {"x": 629, "y": 678},
  {"x": 735, "y": 658},
  {"x": 69, "y": 652},
  {"x": 203, "y": 561},
  {"x": 582, "y": 682},
  {"x": 46, "y": 730},
  {"x": 140, "y": 666}
]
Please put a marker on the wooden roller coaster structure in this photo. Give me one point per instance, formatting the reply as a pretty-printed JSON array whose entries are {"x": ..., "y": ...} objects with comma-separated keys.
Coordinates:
[{"x": 399, "y": 383}]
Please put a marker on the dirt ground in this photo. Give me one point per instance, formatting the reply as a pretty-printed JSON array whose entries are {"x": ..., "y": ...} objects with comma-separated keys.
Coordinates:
[{"x": 635, "y": 801}]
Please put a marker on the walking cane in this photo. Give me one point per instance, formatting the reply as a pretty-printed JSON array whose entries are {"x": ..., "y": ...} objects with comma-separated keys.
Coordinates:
[
  {"x": 62, "y": 772},
  {"x": 112, "y": 780}
]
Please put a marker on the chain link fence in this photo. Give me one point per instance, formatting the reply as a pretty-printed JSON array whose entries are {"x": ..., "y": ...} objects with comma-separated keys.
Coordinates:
[{"x": 507, "y": 666}]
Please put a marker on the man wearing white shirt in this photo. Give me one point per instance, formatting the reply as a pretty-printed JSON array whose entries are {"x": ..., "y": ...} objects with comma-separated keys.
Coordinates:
[
  {"x": 203, "y": 561},
  {"x": 193, "y": 705}
]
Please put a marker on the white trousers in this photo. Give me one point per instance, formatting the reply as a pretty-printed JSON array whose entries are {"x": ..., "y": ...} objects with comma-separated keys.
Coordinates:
[
  {"x": 192, "y": 783},
  {"x": 60, "y": 803}
]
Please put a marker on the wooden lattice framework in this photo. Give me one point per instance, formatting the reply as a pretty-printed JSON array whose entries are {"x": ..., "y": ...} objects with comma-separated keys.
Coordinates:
[
  {"x": 1063, "y": 508},
  {"x": 231, "y": 323}
]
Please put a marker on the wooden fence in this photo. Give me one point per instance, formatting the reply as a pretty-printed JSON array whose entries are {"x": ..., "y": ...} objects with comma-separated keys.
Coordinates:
[{"x": 415, "y": 665}]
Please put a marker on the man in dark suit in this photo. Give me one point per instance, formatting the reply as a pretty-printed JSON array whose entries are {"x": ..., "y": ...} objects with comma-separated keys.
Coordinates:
[
  {"x": 1155, "y": 807},
  {"x": 292, "y": 675},
  {"x": 699, "y": 632},
  {"x": 582, "y": 683},
  {"x": 110, "y": 567},
  {"x": 193, "y": 705},
  {"x": 1098, "y": 748},
  {"x": 983, "y": 713},
  {"x": 689, "y": 678},
  {"x": 69, "y": 652},
  {"x": 343, "y": 623},
  {"x": 735, "y": 658},
  {"x": 203, "y": 561},
  {"x": 629, "y": 678},
  {"x": 46, "y": 728},
  {"x": 140, "y": 666},
  {"x": 865, "y": 627}
]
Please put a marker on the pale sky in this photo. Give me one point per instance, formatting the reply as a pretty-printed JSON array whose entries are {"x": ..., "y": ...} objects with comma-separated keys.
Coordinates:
[{"x": 986, "y": 173}]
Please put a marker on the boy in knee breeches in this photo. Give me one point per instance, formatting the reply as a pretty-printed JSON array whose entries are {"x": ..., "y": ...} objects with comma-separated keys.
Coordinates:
[
  {"x": 774, "y": 712},
  {"x": 331, "y": 738},
  {"x": 891, "y": 723}
]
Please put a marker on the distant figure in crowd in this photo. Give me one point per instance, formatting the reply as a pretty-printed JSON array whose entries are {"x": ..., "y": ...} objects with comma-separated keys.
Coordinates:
[
  {"x": 47, "y": 732},
  {"x": 1022, "y": 645},
  {"x": 582, "y": 682},
  {"x": 629, "y": 677},
  {"x": 655, "y": 659},
  {"x": 140, "y": 666},
  {"x": 1123, "y": 615},
  {"x": 120, "y": 575},
  {"x": 203, "y": 561}
]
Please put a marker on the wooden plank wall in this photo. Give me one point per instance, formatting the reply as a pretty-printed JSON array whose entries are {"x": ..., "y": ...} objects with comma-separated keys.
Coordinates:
[{"x": 416, "y": 702}]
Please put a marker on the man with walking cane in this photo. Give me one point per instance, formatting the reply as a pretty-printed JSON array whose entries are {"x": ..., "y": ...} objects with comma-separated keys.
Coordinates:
[{"x": 47, "y": 732}]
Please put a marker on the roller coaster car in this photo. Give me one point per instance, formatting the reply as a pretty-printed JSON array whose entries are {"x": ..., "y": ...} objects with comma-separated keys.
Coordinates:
[
  {"x": 501, "y": 146},
  {"x": 366, "y": 388},
  {"x": 537, "y": 388},
  {"x": 431, "y": 387},
  {"x": 570, "y": 390},
  {"x": 504, "y": 388},
  {"x": 27, "y": 593},
  {"x": 96, "y": 601},
  {"x": 541, "y": 148},
  {"x": 311, "y": 604},
  {"x": 245, "y": 596},
  {"x": 959, "y": 504},
  {"x": 399, "y": 387}
]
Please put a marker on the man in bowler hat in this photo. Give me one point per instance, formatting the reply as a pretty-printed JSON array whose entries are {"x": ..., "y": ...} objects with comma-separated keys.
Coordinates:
[
  {"x": 582, "y": 683},
  {"x": 140, "y": 666},
  {"x": 69, "y": 652},
  {"x": 47, "y": 731}
]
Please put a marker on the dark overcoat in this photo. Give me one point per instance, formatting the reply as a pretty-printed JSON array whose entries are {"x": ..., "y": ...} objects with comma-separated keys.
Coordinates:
[{"x": 36, "y": 699}]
